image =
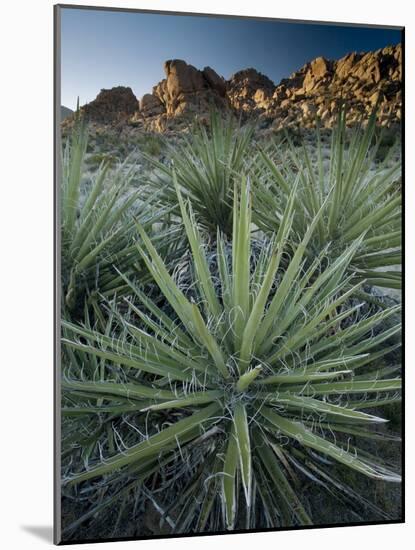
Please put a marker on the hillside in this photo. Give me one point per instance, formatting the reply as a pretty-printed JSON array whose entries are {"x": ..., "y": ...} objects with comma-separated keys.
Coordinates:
[{"x": 65, "y": 112}]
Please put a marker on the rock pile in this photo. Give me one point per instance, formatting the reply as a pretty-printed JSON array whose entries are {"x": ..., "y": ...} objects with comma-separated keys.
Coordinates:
[
  {"x": 184, "y": 92},
  {"x": 116, "y": 105},
  {"x": 248, "y": 90},
  {"x": 360, "y": 79}
]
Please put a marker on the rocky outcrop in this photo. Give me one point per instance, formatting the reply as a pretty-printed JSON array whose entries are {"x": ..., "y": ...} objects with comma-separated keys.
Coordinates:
[
  {"x": 249, "y": 90},
  {"x": 187, "y": 90},
  {"x": 184, "y": 93},
  {"x": 111, "y": 106},
  {"x": 319, "y": 74},
  {"x": 150, "y": 105},
  {"x": 215, "y": 82},
  {"x": 362, "y": 80}
]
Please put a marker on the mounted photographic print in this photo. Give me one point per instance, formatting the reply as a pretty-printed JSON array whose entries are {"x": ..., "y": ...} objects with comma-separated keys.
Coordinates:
[{"x": 228, "y": 274}]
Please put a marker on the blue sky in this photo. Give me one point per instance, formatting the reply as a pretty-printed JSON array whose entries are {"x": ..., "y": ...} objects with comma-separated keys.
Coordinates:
[{"x": 102, "y": 49}]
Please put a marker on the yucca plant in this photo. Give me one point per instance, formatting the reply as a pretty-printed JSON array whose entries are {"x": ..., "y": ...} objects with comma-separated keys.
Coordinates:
[
  {"x": 234, "y": 395},
  {"x": 206, "y": 166},
  {"x": 365, "y": 198},
  {"x": 97, "y": 222}
]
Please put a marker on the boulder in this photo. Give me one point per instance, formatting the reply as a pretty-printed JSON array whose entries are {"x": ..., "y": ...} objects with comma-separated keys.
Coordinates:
[
  {"x": 250, "y": 90},
  {"x": 150, "y": 105},
  {"x": 318, "y": 69},
  {"x": 186, "y": 90},
  {"x": 215, "y": 81},
  {"x": 343, "y": 66},
  {"x": 374, "y": 98},
  {"x": 182, "y": 78},
  {"x": 308, "y": 109}
]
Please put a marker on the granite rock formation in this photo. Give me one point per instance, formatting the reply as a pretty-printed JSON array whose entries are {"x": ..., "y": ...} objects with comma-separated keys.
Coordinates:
[
  {"x": 362, "y": 80},
  {"x": 112, "y": 106}
]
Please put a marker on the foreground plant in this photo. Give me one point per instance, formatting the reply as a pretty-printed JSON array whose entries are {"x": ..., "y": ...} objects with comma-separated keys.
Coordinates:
[
  {"x": 233, "y": 396},
  {"x": 98, "y": 229},
  {"x": 206, "y": 167},
  {"x": 365, "y": 198}
]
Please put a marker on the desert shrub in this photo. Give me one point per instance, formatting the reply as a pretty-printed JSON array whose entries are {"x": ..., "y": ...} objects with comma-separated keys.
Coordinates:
[
  {"x": 151, "y": 144},
  {"x": 97, "y": 222},
  {"x": 360, "y": 198},
  {"x": 96, "y": 159},
  {"x": 388, "y": 138},
  {"x": 291, "y": 133},
  {"x": 206, "y": 165},
  {"x": 213, "y": 406}
]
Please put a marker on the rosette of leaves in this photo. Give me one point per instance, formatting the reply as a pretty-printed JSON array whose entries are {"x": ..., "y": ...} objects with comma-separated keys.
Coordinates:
[
  {"x": 97, "y": 222},
  {"x": 206, "y": 165},
  {"x": 365, "y": 197},
  {"x": 227, "y": 399}
]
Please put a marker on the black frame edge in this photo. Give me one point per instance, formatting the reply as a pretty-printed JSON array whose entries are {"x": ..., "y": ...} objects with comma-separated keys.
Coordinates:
[{"x": 56, "y": 276}]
